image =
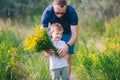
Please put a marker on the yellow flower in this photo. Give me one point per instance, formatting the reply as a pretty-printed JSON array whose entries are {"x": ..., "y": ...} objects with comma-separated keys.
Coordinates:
[
  {"x": 13, "y": 68},
  {"x": 79, "y": 55},
  {"x": 113, "y": 45},
  {"x": 108, "y": 52},
  {"x": 30, "y": 43},
  {"x": 11, "y": 50},
  {"x": 107, "y": 25},
  {"x": 39, "y": 32},
  {"x": 12, "y": 61},
  {"x": 94, "y": 57},
  {"x": 78, "y": 71}
]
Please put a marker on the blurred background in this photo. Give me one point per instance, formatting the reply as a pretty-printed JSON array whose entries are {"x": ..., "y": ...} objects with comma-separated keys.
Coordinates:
[
  {"x": 97, "y": 51},
  {"x": 29, "y": 10}
]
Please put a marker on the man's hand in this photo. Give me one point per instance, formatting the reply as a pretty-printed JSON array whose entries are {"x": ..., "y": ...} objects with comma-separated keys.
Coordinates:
[
  {"x": 49, "y": 52},
  {"x": 63, "y": 50}
]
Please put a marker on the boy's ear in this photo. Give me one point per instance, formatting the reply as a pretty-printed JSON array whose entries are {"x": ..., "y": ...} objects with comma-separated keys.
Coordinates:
[{"x": 50, "y": 32}]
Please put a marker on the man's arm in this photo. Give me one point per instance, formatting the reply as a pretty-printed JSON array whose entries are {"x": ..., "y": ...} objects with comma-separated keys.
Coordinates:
[
  {"x": 74, "y": 37},
  {"x": 74, "y": 33}
]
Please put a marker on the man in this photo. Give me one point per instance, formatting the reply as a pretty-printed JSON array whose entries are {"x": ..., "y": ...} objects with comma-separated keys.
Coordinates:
[{"x": 64, "y": 14}]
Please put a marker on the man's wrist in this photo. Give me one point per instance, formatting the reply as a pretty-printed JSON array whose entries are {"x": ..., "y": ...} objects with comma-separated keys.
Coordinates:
[{"x": 68, "y": 45}]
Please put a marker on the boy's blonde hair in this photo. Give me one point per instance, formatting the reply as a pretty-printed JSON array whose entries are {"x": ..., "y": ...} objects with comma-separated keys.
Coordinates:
[{"x": 56, "y": 27}]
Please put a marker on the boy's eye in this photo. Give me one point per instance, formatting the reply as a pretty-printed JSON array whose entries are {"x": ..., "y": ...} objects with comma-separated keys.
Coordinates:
[{"x": 58, "y": 33}]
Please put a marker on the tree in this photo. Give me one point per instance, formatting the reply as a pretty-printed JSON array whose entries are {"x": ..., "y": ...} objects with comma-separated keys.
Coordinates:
[{"x": 22, "y": 8}]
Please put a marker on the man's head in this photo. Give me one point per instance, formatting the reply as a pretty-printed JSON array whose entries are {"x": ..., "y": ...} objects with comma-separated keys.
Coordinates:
[
  {"x": 61, "y": 3},
  {"x": 59, "y": 7},
  {"x": 56, "y": 31}
]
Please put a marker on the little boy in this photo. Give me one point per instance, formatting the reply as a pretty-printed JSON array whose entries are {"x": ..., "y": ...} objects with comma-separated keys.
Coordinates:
[{"x": 58, "y": 65}]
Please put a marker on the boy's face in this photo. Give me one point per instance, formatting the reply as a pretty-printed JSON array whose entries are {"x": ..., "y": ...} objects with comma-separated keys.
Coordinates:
[{"x": 56, "y": 35}]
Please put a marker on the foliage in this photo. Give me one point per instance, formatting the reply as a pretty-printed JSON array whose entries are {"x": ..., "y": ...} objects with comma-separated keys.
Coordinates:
[
  {"x": 110, "y": 59},
  {"x": 15, "y": 64},
  {"x": 36, "y": 66},
  {"x": 91, "y": 63},
  {"x": 29, "y": 9},
  {"x": 10, "y": 66},
  {"x": 112, "y": 28},
  {"x": 22, "y": 8}
]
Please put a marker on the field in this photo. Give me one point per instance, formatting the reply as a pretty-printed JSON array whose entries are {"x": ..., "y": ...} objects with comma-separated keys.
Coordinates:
[{"x": 97, "y": 54}]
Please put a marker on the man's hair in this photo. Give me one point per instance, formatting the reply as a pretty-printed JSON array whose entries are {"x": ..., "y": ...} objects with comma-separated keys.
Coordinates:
[
  {"x": 56, "y": 27},
  {"x": 61, "y": 3}
]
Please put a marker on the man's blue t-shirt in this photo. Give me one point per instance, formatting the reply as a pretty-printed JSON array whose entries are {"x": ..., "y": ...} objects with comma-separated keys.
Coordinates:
[{"x": 68, "y": 19}]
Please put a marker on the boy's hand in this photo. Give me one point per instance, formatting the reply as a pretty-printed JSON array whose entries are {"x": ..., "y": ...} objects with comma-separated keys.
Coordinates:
[{"x": 49, "y": 52}]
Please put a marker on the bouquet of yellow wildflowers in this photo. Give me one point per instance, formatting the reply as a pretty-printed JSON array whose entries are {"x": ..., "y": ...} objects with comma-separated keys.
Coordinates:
[{"x": 39, "y": 41}]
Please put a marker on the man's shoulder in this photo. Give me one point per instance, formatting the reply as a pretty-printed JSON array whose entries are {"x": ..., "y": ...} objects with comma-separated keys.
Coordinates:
[
  {"x": 48, "y": 11},
  {"x": 49, "y": 8},
  {"x": 70, "y": 8}
]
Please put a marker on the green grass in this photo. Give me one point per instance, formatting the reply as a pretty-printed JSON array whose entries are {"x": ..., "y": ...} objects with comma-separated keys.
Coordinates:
[{"x": 97, "y": 57}]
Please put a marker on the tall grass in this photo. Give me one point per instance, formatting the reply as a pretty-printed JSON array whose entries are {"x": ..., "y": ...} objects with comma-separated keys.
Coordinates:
[
  {"x": 92, "y": 62},
  {"x": 96, "y": 58},
  {"x": 9, "y": 55},
  {"x": 15, "y": 63}
]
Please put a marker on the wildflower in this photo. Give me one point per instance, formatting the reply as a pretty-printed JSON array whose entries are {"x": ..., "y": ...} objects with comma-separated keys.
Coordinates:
[
  {"x": 13, "y": 68},
  {"x": 94, "y": 57},
  {"x": 79, "y": 55},
  {"x": 11, "y": 50},
  {"x": 78, "y": 71},
  {"x": 39, "y": 41},
  {"x": 30, "y": 43},
  {"x": 107, "y": 25},
  {"x": 114, "y": 45},
  {"x": 12, "y": 61}
]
